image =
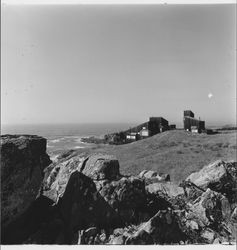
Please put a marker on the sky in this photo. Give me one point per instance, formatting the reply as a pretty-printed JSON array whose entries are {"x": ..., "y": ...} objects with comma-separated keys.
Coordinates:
[{"x": 117, "y": 63}]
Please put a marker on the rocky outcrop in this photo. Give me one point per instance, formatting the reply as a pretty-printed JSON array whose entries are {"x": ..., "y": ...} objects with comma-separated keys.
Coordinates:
[
  {"x": 23, "y": 159},
  {"x": 101, "y": 167},
  {"x": 86, "y": 200},
  {"x": 219, "y": 176},
  {"x": 163, "y": 228},
  {"x": 165, "y": 189},
  {"x": 152, "y": 176}
]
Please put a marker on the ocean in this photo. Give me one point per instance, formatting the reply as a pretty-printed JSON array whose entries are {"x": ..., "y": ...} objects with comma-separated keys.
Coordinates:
[{"x": 62, "y": 137}]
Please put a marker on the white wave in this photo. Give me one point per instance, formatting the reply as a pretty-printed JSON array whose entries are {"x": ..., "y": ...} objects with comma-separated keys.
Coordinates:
[
  {"x": 55, "y": 140},
  {"x": 78, "y": 147},
  {"x": 78, "y": 140}
]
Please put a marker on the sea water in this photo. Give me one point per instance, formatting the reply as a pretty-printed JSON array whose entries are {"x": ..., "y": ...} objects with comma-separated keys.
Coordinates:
[{"x": 62, "y": 137}]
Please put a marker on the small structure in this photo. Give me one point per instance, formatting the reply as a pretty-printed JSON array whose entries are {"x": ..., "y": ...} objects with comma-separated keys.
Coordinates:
[
  {"x": 144, "y": 132},
  {"x": 172, "y": 126},
  {"x": 188, "y": 113},
  {"x": 190, "y": 121},
  {"x": 194, "y": 129},
  {"x": 132, "y": 136},
  {"x": 157, "y": 125}
]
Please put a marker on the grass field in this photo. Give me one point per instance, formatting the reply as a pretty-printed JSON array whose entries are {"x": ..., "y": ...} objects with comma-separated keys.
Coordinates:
[{"x": 176, "y": 152}]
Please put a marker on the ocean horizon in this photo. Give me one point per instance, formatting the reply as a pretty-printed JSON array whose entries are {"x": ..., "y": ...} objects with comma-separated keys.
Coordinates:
[
  {"x": 63, "y": 137},
  {"x": 59, "y": 129}
]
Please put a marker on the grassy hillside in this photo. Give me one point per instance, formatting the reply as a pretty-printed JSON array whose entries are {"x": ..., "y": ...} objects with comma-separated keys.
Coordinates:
[{"x": 176, "y": 152}]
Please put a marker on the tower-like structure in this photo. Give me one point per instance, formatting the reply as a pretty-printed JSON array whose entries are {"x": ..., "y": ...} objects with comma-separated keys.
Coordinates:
[{"x": 190, "y": 121}]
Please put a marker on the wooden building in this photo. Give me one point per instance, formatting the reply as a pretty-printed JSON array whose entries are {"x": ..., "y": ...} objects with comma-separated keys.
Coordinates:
[
  {"x": 144, "y": 132},
  {"x": 188, "y": 113},
  {"x": 133, "y": 136},
  {"x": 172, "y": 126},
  {"x": 190, "y": 121},
  {"x": 157, "y": 125}
]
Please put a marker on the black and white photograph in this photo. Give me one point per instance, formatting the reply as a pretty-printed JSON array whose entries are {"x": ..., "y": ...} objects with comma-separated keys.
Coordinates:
[{"x": 118, "y": 123}]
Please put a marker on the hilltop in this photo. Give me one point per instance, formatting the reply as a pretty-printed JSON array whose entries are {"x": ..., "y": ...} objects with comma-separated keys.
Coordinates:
[{"x": 177, "y": 152}]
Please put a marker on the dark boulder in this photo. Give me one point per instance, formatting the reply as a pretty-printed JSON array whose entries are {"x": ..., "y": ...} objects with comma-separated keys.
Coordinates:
[
  {"x": 82, "y": 206},
  {"x": 164, "y": 228},
  {"x": 23, "y": 159},
  {"x": 141, "y": 237},
  {"x": 36, "y": 218},
  {"x": 126, "y": 196}
]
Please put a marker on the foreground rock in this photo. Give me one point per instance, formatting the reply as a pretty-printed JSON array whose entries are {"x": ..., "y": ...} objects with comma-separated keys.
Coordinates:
[
  {"x": 153, "y": 177},
  {"x": 23, "y": 159},
  {"x": 101, "y": 167},
  {"x": 168, "y": 189},
  {"x": 219, "y": 176},
  {"x": 163, "y": 228},
  {"x": 85, "y": 200},
  {"x": 112, "y": 200}
]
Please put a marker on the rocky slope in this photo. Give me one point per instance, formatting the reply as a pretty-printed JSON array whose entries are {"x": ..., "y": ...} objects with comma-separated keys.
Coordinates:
[{"x": 84, "y": 199}]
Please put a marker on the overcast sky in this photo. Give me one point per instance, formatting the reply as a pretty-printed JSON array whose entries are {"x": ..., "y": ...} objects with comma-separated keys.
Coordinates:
[{"x": 88, "y": 63}]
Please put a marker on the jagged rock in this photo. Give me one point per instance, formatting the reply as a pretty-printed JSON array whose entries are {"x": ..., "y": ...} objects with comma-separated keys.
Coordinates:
[
  {"x": 23, "y": 158},
  {"x": 153, "y": 177},
  {"x": 84, "y": 200},
  {"x": 57, "y": 176},
  {"x": 101, "y": 166},
  {"x": 231, "y": 168},
  {"x": 148, "y": 174},
  {"x": 211, "y": 208},
  {"x": 119, "y": 240},
  {"x": 234, "y": 215},
  {"x": 218, "y": 176},
  {"x": 126, "y": 196},
  {"x": 88, "y": 236},
  {"x": 164, "y": 228},
  {"x": 118, "y": 231},
  {"x": 192, "y": 224},
  {"x": 217, "y": 241},
  {"x": 208, "y": 235},
  {"x": 211, "y": 173},
  {"x": 82, "y": 206},
  {"x": 167, "y": 188},
  {"x": 141, "y": 237},
  {"x": 96, "y": 166}
]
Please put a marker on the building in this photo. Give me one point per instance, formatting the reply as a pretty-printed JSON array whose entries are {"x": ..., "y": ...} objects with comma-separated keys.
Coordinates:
[
  {"x": 190, "y": 121},
  {"x": 188, "y": 113},
  {"x": 154, "y": 126},
  {"x": 194, "y": 129},
  {"x": 132, "y": 136},
  {"x": 157, "y": 125},
  {"x": 144, "y": 132},
  {"x": 172, "y": 126}
]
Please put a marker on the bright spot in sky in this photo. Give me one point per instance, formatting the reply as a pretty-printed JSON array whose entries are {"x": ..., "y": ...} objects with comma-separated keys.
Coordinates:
[{"x": 210, "y": 95}]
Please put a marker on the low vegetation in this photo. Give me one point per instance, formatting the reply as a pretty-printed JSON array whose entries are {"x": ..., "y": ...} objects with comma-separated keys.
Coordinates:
[{"x": 178, "y": 153}]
